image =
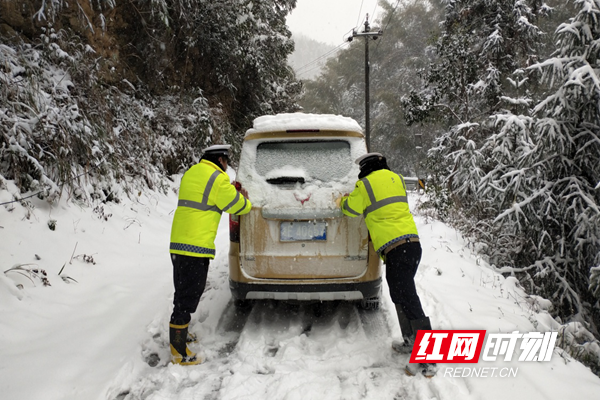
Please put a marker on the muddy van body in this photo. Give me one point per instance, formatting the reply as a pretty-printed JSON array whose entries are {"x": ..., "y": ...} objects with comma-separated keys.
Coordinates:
[{"x": 295, "y": 244}]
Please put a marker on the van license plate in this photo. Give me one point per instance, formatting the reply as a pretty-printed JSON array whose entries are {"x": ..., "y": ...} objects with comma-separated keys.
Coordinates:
[{"x": 302, "y": 230}]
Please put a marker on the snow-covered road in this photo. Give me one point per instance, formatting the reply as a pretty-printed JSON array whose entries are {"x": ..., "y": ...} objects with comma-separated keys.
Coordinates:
[
  {"x": 90, "y": 339},
  {"x": 276, "y": 350}
]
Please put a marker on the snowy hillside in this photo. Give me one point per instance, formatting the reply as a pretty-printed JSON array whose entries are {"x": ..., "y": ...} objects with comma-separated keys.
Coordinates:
[
  {"x": 88, "y": 334},
  {"x": 309, "y": 56}
]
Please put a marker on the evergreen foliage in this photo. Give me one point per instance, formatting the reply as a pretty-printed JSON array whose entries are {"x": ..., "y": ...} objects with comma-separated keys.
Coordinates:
[
  {"x": 521, "y": 158},
  {"x": 396, "y": 58},
  {"x": 483, "y": 53},
  {"x": 555, "y": 210},
  {"x": 130, "y": 91}
]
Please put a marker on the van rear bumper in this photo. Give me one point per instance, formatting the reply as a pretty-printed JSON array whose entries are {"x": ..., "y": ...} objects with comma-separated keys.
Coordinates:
[{"x": 306, "y": 292}]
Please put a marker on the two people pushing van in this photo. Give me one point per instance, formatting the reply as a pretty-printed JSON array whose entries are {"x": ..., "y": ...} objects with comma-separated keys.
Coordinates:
[{"x": 205, "y": 192}]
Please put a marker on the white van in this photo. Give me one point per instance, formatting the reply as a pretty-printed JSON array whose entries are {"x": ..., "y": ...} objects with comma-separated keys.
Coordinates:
[{"x": 295, "y": 244}]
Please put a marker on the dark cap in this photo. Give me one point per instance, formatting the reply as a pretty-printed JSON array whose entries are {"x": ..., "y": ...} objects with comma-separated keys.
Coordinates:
[
  {"x": 219, "y": 150},
  {"x": 364, "y": 159}
]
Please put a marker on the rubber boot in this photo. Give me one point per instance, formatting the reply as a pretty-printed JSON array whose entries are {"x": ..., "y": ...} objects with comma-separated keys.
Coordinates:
[
  {"x": 180, "y": 354},
  {"x": 421, "y": 324},
  {"x": 408, "y": 334},
  {"x": 191, "y": 338},
  {"x": 426, "y": 369}
]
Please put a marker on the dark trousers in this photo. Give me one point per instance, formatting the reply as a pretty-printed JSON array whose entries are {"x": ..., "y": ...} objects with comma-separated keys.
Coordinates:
[
  {"x": 189, "y": 278},
  {"x": 401, "y": 266}
]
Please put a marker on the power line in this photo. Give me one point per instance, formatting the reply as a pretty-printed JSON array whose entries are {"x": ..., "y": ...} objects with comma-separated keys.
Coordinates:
[
  {"x": 312, "y": 65},
  {"x": 299, "y": 69},
  {"x": 359, "y": 13},
  {"x": 367, "y": 34},
  {"x": 363, "y": 20},
  {"x": 388, "y": 21},
  {"x": 306, "y": 71},
  {"x": 374, "y": 8},
  {"x": 345, "y": 34},
  {"x": 392, "y": 13}
]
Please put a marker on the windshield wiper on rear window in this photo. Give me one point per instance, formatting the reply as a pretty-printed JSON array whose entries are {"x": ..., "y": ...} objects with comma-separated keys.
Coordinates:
[{"x": 282, "y": 180}]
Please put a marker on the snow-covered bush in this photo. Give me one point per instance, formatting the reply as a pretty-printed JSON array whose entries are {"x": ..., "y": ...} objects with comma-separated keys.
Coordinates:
[
  {"x": 91, "y": 101},
  {"x": 547, "y": 195},
  {"x": 61, "y": 127},
  {"x": 522, "y": 155},
  {"x": 595, "y": 283},
  {"x": 581, "y": 344},
  {"x": 541, "y": 183}
]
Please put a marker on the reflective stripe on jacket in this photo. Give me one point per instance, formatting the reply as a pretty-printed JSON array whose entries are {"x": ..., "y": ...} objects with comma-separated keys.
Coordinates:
[
  {"x": 381, "y": 198},
  {"x": 205, "y": 192}
]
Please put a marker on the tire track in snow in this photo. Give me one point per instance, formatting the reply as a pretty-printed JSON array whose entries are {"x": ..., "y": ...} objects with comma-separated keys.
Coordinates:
[
  {"x": 281, "y": 351},
  {"x": 324, "y": 351}
]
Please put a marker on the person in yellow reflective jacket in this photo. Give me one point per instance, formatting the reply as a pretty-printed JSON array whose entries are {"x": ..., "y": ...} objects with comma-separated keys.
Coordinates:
[
  {"x": 205, "y": 192},
  {"x": 380, "y": 197}
]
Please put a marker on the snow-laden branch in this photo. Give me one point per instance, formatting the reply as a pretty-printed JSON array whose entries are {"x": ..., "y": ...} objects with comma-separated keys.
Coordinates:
[{"x": 517, "y": 207}]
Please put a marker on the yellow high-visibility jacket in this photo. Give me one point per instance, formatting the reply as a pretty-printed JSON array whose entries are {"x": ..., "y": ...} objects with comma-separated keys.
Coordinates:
[
  {"x": 205, "y": 192},
  {"x": 381, "y": 198}
]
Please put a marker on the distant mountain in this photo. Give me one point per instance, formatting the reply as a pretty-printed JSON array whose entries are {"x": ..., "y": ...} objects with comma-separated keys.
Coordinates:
[{"x": 309, "y": 56}]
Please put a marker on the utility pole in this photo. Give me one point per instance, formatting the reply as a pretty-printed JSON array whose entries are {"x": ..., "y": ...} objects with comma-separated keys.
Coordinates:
[{"x": 367, "y": 34}]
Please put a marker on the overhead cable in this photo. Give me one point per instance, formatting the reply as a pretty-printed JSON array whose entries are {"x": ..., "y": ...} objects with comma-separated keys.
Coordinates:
[
  {"x": 326, "y": 55},
  {"x": 359, "y": 11},
  {"x": 388, "y": 21}
]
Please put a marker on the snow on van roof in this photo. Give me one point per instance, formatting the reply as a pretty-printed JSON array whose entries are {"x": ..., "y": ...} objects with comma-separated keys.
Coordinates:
[{"x": 295, "y": 121}]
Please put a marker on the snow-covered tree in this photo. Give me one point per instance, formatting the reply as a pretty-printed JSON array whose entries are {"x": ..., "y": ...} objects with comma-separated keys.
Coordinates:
[
  {"x": 550, "y": 195},
  {"x": 523, "y": 163},
  {"x": 131, "y": 91},
  {"x": 396, "y": 59},
  {"x": 482, "y": 44}
]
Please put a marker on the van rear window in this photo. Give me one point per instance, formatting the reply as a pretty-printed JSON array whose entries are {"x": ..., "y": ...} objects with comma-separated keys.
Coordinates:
[{"x": 325, "y": 161}]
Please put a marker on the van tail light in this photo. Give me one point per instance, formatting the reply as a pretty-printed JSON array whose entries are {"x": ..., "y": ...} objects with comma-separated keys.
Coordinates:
[
  {"x": 234, "y": 228},
  {"x": 234, "y": 221}
]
